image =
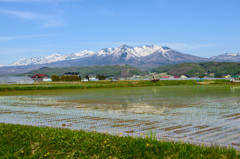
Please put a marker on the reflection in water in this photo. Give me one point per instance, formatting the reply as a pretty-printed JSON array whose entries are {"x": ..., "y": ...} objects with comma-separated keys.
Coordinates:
[{"x": 193, "y": 114}]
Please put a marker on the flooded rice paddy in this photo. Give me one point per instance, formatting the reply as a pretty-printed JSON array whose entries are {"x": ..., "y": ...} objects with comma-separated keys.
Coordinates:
[{"x": 195, "y": 114}]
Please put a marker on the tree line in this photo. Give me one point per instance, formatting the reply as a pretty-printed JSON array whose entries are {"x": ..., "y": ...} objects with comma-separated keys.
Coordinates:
[{"x": 74, "y": 77}]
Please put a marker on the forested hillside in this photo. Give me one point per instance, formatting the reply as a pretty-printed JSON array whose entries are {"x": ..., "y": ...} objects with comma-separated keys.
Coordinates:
[
  {"x": 108, "y": 70},
  {"x": 198, "y": 69}
]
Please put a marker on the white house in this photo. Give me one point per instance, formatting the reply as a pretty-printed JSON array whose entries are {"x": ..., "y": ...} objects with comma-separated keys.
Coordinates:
[{"x": 183, "y": 76}]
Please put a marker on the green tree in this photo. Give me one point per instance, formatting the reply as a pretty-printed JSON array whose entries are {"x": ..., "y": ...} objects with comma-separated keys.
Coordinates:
[
  {"x": 101, "y": 77},
  {"x": 70, "y": 78},
  {"x": 55, "y": 78},
  {"x": 87, "y": 77},
  {"x": 218, "y": 75}
]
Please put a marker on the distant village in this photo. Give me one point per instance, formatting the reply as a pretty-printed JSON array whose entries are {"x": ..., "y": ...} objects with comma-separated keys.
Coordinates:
[
  {"x": 69, "y": 76},
  {"x": 75, "y": 76}
]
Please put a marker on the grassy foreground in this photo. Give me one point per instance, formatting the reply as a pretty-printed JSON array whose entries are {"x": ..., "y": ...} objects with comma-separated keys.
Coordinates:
[
  {"x": 103, "y": 84},
  {"x": 18, "y": 141}
]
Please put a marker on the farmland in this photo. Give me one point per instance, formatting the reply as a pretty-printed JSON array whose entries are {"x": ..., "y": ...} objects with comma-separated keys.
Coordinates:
[
  {"x": 174, "y": 116},
  {"x": 105, "y": 84},
  {"x": 202, "y": 114}
]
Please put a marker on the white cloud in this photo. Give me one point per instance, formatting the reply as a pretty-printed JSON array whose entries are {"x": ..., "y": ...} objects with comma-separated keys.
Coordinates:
[
  {"x": 23, "y": 15},
  {"x": 7, "y": 38},
  {"x": 46, "y": 21}
]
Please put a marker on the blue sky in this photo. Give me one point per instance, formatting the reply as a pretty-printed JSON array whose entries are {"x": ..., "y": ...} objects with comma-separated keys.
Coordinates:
[{"x": 41, "y": 27}]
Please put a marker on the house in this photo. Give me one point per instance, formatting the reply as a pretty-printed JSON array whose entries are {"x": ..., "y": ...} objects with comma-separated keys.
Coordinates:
[
  {"x": 226, "y": 76},
  {"x": 164, "y": 77},
  {"x": 47, "y": 80},
  {"x": 235, "y": 79},
  {"x": 212, "y": 74},
  {"x": 85, "y": 80},
  {"x": 93, "y": 79},
  {"x": 184, "y": 76},
  {"x": 40, "y": 77},
  {"x": 173, "y": 77},
  {"x": 72, "y": 73}
]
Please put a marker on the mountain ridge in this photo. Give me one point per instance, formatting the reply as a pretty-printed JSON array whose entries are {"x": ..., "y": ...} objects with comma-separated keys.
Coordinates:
[
  {"x": 141, "y": 56},
  {"x": 136, "y": 52},
  {"x": 148, "y": 56},
  {"x": 129, "y": 52},
  {"x": 227, "y": 57}
]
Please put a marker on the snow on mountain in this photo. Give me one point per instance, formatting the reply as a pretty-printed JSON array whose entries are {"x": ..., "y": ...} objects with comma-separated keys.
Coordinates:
[
  {"x": 228, "y": 57},
  {"x": 30, "y": 61},
  {"x": 147, "y": 50},
  {"x": 123, "y": 51},
  {"x": 52, "y": 58},
  {"x": 79, "y": 55},
  {"x": 39, "y": 60},
  {"x": 133, "y": 51}
]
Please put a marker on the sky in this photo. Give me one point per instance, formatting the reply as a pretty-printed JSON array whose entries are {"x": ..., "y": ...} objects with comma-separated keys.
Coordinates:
[{"x": 202, "y": 28}]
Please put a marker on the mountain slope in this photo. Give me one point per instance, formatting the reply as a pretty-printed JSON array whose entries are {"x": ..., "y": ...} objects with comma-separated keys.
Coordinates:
[
  {"x": 228, "y": 57},
  {"x": 169, "y": 56},
  {"x": 108, "y": 70},
  {"x": 196, "y": 69}
]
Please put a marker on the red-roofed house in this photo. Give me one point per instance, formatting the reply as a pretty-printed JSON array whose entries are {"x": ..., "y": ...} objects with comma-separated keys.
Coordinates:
[
  {"x": 173, "y": 77},
  {"x": 164, "y": 77},
  {"x": 39, "y": 77}
]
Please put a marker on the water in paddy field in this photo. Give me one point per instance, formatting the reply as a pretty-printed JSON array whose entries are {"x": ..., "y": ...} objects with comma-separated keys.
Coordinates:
[{"x": 195, "y": 114}]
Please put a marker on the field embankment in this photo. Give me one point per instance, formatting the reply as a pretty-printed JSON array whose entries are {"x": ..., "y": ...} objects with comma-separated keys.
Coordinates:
[
  {"x": 105, "y": 84},
  {"x": 19, "y": 141}
]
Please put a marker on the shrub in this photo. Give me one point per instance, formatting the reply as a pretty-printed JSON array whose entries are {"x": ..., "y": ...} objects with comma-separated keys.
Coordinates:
[
  {"x": 70, "y": 78},
  {"x": 101, "y": 77},
  {"x": 55, "y": 78}
]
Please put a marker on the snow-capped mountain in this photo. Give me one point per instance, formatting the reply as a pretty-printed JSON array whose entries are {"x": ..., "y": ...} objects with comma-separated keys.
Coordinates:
[
  {"x": 32, "y": 60},
  {"x": 40, "y": 60},
  {"x": 52, "y": 58},
  {"x": 148, "y": 56},
  {"x": 131, "y": 51},
  {"x": 120, "y": 55},
  {"x": 228, "y": 57},
  {"x": 78, "y": 55}
]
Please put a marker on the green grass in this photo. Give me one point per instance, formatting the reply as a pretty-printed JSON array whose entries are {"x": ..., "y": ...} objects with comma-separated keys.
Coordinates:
[
  {"x": 19, "y": 141},
  {"x": 102, "y": 84}
]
